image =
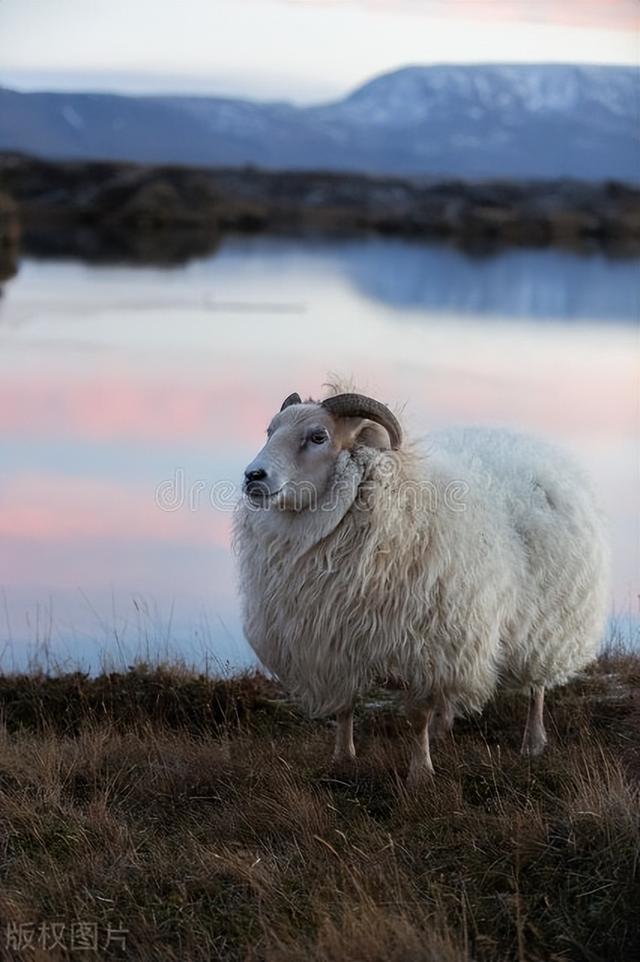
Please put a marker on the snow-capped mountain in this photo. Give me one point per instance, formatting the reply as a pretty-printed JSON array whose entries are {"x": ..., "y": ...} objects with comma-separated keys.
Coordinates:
[
  {"x": 516, "y": 121},
  {"x": 417, "y": 95}
]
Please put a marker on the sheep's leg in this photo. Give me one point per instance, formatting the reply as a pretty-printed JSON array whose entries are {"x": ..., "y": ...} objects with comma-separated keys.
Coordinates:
[
  {"x": 420, "y": 766},
  {"x": 442, "y": 719},
  {"x": 344, "y": 750},
  {"x": 535, "y": 737}
]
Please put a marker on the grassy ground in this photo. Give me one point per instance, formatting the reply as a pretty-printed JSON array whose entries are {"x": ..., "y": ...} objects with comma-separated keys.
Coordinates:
[{"x": 203, "y": 818}]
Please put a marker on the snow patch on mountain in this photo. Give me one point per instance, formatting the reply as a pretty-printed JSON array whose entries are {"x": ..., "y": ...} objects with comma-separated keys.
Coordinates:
[{"x": 72, "y": 117}]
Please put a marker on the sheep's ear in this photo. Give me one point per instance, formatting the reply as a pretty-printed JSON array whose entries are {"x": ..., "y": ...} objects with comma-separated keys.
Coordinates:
[
  {"x": 360, "y": 431},
  {"x": 373, "y": 435},
  {"x": 291, "y": 399}
]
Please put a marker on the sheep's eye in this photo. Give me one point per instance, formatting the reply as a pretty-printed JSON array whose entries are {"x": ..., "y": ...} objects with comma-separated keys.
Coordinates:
[{"x": 318, "y": 437}]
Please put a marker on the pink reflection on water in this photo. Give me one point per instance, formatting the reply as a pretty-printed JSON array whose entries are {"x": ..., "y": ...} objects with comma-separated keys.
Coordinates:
[
  {"x": 115, "y": 407},
  {"x": 90, "y": 435},
  {"x": 56, "y": 508}
]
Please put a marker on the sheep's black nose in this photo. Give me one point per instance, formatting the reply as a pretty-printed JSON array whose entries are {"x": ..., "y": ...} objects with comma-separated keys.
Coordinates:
[{"x": 259, "y": 474}]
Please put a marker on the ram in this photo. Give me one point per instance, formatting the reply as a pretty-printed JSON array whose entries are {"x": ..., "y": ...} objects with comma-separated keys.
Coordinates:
[{"x": 481, "y": 561}]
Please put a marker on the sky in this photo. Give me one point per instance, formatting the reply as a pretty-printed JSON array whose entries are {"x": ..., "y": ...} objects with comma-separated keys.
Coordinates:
[{"x": 300, "y": 50}]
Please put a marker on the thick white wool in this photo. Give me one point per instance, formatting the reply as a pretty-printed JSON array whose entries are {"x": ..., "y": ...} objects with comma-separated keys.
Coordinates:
[{"x": 482, "y": 562}]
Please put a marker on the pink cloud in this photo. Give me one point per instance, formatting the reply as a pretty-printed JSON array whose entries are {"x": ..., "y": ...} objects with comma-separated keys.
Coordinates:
[{"x": 611, "y": 14}]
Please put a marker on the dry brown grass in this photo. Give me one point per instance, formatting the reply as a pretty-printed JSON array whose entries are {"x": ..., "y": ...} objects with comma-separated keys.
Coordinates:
[{"x": 203, "y": 817}]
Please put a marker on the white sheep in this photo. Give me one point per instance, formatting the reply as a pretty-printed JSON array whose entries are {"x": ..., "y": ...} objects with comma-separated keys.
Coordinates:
[{"x": 481, "y": 562}]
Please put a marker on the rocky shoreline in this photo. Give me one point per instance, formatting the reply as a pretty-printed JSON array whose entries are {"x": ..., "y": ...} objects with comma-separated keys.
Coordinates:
[
  {"x": 10, "y": 235},
  {"x": 104, "y": 211}
]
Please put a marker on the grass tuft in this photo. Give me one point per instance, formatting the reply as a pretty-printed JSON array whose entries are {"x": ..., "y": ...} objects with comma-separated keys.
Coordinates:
[{"x": 204, "y": 817}]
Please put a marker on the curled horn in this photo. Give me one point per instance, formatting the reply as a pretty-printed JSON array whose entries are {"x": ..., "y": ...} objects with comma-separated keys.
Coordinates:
[
  {"x": 359, "y": 406},
  {"x": 292, "y": 399}
]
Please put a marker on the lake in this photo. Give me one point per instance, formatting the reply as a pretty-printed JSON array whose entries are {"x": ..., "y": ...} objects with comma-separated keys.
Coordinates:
[{"x": 132, "y": 398}]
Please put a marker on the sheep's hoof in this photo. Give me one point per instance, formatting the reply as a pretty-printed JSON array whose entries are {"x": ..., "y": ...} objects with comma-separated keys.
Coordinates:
[
  {"x": 419, "y": 775},
  {"x": 344, "y": 762},
  {"x": 533, "y": 745}
]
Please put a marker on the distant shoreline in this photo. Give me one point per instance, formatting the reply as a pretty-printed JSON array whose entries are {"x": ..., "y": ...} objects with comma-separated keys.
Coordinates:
[{"x": 106, "y": 211}]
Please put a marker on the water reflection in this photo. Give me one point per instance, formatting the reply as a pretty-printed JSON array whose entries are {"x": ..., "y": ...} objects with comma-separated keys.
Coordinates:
[
  {"x": 114, "y": 379},
  {"x": 516, "y": 283}
]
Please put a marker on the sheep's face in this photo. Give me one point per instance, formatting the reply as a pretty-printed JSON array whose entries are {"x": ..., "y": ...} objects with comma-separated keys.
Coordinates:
[{"x": 305, "y": 445}]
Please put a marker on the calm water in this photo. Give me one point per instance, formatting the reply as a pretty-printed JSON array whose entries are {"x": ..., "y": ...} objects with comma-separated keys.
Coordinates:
[{"x": 131, "y": 399}]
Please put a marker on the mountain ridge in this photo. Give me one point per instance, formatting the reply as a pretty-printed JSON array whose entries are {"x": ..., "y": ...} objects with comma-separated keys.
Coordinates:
[{"x": 471, "y": 121}]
